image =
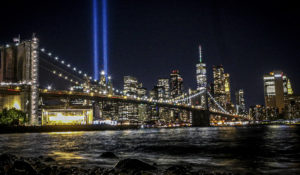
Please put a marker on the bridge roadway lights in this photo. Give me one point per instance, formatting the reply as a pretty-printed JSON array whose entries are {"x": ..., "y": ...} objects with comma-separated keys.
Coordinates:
[{"x": 200, "y": 118}]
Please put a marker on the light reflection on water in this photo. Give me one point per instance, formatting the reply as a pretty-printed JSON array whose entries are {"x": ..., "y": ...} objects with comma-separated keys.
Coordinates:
[
  {"x": 268, "y": 149},
  {"x": 66, "y": 133},
  {"x": 65, "y": 155}
]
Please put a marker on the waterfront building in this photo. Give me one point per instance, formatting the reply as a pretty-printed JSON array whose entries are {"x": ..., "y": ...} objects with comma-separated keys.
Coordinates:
[
  {"x": 157, "y": 93},
  {"x": 141, "y": 92},
  {"x": 276, "y": 87},
  {"x": 257, "y": 112},
  {"x": 263, "y": 113},
  {"x": 67, "y": 116},
  {"x": 219, "y": 85},
  {"x": 164, "y": 83},
  {"x": 152, "y": 94},
  {"x": 128, "y": 114},
  {"x": 176, "y": 84},
  {"x": 130, "y": 85},
  {"x": 292, "y": 106},
  {"x": 160, "y": 92},
  {"x": 240, "y": 102}
]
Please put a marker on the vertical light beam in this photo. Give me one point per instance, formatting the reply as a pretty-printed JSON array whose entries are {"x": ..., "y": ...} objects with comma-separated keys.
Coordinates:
[
  {"x": 104, "y": 35},
  {"x": 95, "y": 42}
]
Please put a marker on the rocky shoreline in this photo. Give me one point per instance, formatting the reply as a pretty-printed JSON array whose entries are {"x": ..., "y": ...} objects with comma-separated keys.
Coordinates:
[{"x": 15, "y": 165}]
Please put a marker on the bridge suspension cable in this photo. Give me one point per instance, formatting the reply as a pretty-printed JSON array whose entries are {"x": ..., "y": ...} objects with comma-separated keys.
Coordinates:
[
  {"x": 190, "y": 97},
  {"x": 61, "y": 75},
  {"x": 58, "y": 69},
  {"x": 120, "y": 92},
  {"x": 74, "y": 69},
  {"x": 67, "y": 65},
  {"x": 219, "y": 106}
]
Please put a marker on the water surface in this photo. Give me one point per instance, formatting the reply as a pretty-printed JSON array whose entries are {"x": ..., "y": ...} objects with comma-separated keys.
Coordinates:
[{"x": 268, "y": 149}]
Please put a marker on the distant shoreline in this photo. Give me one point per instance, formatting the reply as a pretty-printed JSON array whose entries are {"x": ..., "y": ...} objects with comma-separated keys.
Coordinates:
[{"x": 67, "y": 128}]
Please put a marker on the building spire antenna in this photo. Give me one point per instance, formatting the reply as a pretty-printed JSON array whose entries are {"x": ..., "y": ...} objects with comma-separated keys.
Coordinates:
[{"x": 200, "y": 54}]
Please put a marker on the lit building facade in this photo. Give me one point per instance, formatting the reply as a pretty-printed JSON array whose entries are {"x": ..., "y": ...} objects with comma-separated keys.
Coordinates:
[
  {"x": 141, "y": 92},
  {"x": 276, "y": 87},
  {"x": 292, "y": 107},
  {"x": 164, "y": 83},
  {"x": 201, "y": 78},
  {"x": 257, "y": 112},
  {"x": 130, "y": 85},
  {"x": 201, "y": 72},
  {"x": 219, "y": 85},
  {"x": 176, "y": 84},
  {"x": 240, "y": 102},
  {"x": 227, "y": 88},
  {"x": 67, "y": 116}
]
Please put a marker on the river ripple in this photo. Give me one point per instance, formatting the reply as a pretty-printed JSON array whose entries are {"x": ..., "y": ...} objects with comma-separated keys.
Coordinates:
[{"x": 266, "y": 149}]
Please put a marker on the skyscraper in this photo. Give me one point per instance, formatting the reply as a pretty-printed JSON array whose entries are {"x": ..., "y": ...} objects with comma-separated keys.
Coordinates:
[
  {"x": 276, "y": 87},
  {"x": 219, "y": 85},
  {"x": 227, "y": 88},
  {"x": 164, "y": 82},
  {"x": 102, "y": 82},
  {"x": 289, "y": 88},
  {"x": 240, "y": 102},
  {"x": 130, "y": 85},
  {"x": 176, "y": 84},
  {"x": 141, "y": 92},
  {"x": 201, "y": 72}
]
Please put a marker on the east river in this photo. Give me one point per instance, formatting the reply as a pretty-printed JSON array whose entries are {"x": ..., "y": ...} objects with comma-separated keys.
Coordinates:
[{"x": 264, "y": 149}]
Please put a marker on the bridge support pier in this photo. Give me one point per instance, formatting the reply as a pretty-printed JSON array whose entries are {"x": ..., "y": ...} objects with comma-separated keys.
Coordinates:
[
  {"x": 200, "y": 118},
  {"x": 96, "y": 111}
]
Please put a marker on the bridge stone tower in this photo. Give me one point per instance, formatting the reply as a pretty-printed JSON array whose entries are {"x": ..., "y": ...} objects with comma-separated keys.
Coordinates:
[
  {"x": 202, "y": 117},
  {"x": 34, "y": 81},
  {"x": 19, "y": 63}
]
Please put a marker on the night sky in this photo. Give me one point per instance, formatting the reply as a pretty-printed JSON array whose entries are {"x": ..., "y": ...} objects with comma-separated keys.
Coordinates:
[{"x": 149, "y": 38}]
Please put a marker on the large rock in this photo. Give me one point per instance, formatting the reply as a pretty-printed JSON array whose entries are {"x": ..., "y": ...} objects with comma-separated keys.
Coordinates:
[
  {"x": 134, "y": 165},
  {"x": 7, "y": 159},
  {"x": 109, "y": 155},
  {"x": 6, "y": 162},
  {"x": 45, "y": 171},
  {"x": 178, "y": 169},
  {"x": 49, "y": 159},
  {"x": 22, "y": 167}
]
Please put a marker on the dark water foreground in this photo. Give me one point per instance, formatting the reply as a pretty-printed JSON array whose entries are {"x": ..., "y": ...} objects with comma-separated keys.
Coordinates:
[
  {"x": 62, "y": 128},
  {"x": 237, "y": 150}
]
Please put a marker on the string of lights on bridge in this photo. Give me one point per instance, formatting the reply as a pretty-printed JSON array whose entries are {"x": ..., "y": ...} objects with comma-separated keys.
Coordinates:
[
  {"x": 120, "y": 92},
  {"x": 191, "y": 96},
  {"x": 15, "y": 84},
  {"x": 214, "y": 100}
]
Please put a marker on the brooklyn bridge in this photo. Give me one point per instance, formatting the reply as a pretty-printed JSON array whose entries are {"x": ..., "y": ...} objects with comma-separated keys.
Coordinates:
[{"x": 85, "y": 100}]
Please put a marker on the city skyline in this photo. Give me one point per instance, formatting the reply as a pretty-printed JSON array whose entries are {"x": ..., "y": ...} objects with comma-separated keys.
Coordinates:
[
  {"x": 169, "y": 48},
  {"x": 149, "y": 87}
]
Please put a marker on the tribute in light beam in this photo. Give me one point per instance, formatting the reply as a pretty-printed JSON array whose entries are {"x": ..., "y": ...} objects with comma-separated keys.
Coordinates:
[
  {"x": 104, "y": 33},
  {"x": 95, "y": 43}
]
